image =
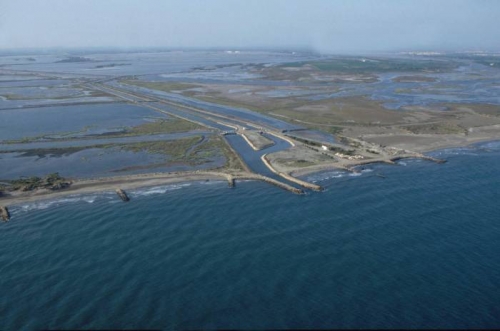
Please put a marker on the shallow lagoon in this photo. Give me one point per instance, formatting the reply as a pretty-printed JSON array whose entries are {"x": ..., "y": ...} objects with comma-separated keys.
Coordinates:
[
  {"x": 84, "y": 155},
  {"x": 88, "y": 142},
  {"x": 33, "y": 82},
  {"x": 94, "y": 162},
  {"x": 470, "y": 83},
  {"x": 150, "y": 63},
  {"x": 43, "y": 92},
  {"x": 90, "y": 119}
]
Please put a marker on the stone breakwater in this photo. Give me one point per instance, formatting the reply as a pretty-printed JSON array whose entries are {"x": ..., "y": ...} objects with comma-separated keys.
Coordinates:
[
  {"x": 273, "y": 182},
  {"x": 231, "y": 179},
  {"x": 121, "y": 193},
  {"x": 4, "y": 214}
]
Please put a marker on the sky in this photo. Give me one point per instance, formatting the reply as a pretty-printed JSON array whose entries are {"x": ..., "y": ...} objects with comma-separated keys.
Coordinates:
[{"x": 325, "y": 26}]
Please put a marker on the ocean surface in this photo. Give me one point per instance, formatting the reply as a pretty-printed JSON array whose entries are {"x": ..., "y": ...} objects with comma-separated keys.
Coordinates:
[{"x": 419, "y": 248}]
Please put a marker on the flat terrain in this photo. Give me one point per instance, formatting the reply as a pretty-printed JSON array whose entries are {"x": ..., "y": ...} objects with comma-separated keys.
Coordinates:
[
  {"x": 257, "y": 140},
  {"x": 418, "y": 128},
  {"x": 101, "y": 118}
]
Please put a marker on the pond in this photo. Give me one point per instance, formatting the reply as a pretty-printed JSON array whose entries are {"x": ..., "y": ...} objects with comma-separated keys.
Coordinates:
[{"x": 72, "y": 120}]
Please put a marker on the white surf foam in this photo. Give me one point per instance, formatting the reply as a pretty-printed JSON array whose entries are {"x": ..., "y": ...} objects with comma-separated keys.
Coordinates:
[
  {"x": 40, "y": 205},
  {"x": 326, "y": 176},
  {"x": 158, "y": 190}
]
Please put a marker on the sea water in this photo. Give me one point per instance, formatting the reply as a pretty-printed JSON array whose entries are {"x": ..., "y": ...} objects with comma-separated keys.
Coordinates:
[{"x": 416, "y": 249}]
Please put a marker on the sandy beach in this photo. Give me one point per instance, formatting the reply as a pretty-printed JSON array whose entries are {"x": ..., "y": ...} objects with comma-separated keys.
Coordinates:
[
  {"x": 137, "y": 181},
  {"x": 83, "y": 186},
  {"x": 110, "y": 184}
]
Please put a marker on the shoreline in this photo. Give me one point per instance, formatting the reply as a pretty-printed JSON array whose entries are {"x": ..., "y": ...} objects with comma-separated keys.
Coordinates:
[
  {"x": 349, "y": 167},
  {"x": 110, "y": 184},
  {"x": 128, "y": 182}
]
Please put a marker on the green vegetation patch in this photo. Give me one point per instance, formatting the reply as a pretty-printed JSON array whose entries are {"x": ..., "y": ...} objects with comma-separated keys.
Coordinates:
[
  {"x": 52, "y": 182},
  {"x": 177, "y": 150},
  {"x": 359, "y": 65},
  {"x": 16, "y": 96},
  {"x": 192, "y": 151},
  {"x": 437, "y": 128},
  {"x": 218, "y": 146},
  {"x": 53, "y": 152},
  {"x": 173, "y": 125},
  {"x": 163, "y": 126}
]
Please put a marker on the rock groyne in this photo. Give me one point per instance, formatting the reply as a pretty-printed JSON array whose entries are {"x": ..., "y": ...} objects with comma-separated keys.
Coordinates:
[
  {"x": 121, "y": 193},
  {"x": 292, "y": 179},
  {"x": 4, "y": 213},
  {"x": 273, "y": 182}
]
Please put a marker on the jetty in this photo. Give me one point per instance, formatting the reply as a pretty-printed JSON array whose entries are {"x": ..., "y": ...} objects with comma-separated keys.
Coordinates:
[
  {"x": 302, "y": 183},
  {"x": 231, "y": 182},
  {"x": 433, "y": 159},
  {"x": 121, "y": 193},
  {"x": 419, "y": 156},
  {"x": 292, "y": 179},
  {"x": 4, "y": 213},
  {"x": 233, "y": 177},
  {"x": 273, "y": 182}
]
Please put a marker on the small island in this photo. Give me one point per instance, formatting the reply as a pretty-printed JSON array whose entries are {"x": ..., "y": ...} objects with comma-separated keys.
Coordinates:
[{"x": 75, "y": 59}]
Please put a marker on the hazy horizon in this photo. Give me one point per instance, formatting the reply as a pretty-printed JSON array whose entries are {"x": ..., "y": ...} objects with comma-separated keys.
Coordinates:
[{"x": 321, "y": 26}]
